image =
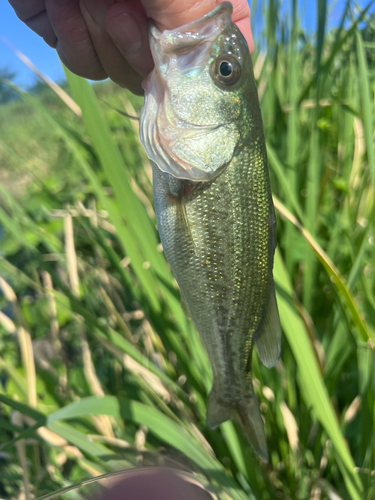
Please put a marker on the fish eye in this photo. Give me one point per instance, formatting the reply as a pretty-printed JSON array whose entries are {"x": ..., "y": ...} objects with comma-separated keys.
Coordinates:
[{"x": 226, "y": 70}]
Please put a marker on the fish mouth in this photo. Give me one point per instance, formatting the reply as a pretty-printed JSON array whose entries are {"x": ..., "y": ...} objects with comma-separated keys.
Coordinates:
[
  {"x": 189, "y": 36},
  {"x": 185, "y": 148}
]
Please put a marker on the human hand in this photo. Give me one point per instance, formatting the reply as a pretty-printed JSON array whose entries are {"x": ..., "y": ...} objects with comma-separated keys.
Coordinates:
[{"x": 100, "y": 39}]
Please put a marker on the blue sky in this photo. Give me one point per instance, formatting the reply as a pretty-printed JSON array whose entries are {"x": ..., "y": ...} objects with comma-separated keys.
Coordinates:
[
  {"x": 47, "y": 61},
  {"x": 30, "y": 44}
]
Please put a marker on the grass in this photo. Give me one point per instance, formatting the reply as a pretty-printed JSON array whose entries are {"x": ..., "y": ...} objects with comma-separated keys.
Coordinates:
[{"x": 100, "y": 371}]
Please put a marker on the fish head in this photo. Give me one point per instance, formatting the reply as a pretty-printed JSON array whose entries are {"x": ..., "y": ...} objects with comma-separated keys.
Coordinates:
[{"x": 198, "y": 96}]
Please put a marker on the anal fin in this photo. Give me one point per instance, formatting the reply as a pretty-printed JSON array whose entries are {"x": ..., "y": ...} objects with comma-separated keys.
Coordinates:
[{"x": 268, "y": 339}]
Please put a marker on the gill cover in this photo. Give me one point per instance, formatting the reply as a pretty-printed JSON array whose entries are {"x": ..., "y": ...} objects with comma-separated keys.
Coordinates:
[{"x": 188, "y": 121}]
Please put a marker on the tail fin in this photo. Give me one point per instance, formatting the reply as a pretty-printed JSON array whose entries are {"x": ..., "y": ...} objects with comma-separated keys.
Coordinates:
[
  {"x": 218, "y": 411},
  {"x": 252, "y": 425},
  {"x": 248, "y": 415}
]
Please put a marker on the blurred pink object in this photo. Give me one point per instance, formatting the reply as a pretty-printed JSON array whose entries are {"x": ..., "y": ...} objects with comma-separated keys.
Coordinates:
[{"x": 155, "y": 484}]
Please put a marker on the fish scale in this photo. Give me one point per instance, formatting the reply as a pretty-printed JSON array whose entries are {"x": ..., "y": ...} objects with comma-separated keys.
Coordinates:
[{"x": 218, "y": 233}]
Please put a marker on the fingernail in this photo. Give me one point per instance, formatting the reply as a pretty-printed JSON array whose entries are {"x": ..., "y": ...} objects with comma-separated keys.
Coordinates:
[{"x": 126, "y": 34}]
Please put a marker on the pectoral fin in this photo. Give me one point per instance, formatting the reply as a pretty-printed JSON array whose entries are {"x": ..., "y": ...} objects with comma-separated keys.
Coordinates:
[{"x": 268, "y": 339}]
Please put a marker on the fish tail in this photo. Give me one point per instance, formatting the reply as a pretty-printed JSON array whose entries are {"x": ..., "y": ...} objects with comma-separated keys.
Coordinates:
[
  {"x": 248, "y": 414},
  {"x": 218, "y": 411}
]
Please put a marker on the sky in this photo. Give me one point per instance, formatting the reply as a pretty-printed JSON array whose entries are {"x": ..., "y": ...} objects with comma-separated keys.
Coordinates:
[
  {"x": 29, "y": 44},
  {"x": 47, "y": 60}
]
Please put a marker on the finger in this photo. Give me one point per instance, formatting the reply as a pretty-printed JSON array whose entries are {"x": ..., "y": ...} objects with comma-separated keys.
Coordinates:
[
  {"x": 169, "y": 14},
  {"x": 74, "y": 46},
  {"x": 34, "y": 15},
  {"x": 41, "y": 25},
  {"x": 113, "y": 62},
  {"x": 127, "y": 25},
  {"x": 26, "y": 9}
]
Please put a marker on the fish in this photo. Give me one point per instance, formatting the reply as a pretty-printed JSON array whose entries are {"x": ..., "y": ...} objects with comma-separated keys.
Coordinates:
[{"x": 202, "y": 129}]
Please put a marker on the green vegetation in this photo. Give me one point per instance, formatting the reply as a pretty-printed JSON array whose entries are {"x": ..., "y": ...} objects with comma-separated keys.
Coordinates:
[{"x": 100, "y": 370}]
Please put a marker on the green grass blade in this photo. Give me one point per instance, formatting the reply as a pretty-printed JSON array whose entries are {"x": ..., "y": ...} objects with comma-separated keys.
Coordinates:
[
  {"x": 14, "y": 228},
  {"x": 292, "y": 116},
  {"x": 312, "y": 384},
  {"x": 279, "y": 170},
  {"x": 312, "y": 186},
  {"x": 81, "y": 441},
  {"x": 20, "y": 223},
  {"x": 333, "y": 273},
  {"x": 366, "y": 105},
  {"x": 234, "y": 445},
  {"x": 321, "y": 17},
  {"x": 327, "y": 64},
  {"x": 115, "y": 338},
  {"x": 22, "y": 408}
]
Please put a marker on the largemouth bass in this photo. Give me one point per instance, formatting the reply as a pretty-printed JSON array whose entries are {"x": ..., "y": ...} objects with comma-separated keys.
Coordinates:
[{"x": 202, "y": 129}]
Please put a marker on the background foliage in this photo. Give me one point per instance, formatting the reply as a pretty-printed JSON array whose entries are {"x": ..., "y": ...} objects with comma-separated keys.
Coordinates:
[{"x": 99, "y": 369}]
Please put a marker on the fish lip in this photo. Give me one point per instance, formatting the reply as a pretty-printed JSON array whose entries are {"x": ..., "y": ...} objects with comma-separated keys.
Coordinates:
[{"x": 189, "y": 35}]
